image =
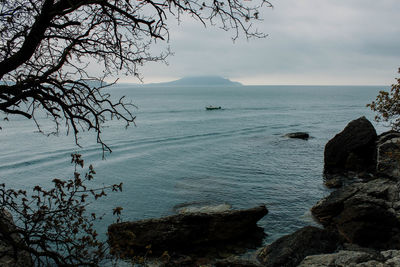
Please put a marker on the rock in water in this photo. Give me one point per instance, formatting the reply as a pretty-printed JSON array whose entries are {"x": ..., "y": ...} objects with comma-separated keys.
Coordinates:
[
  {"x": 353, "y": 149},
  {"x": 298, "y": 135},
  {"x": 182, "y": 231},
  {"x": 291, "y": 249},
  {"x": 367, "y": 214}
]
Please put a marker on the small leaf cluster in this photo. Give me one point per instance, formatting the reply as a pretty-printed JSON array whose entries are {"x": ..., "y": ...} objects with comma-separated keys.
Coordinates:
[
  {"x": 53, "y": 224},
  {"x": 387, "y": 106}
]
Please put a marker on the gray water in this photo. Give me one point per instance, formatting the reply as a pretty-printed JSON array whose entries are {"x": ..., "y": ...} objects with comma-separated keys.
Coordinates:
[{"x": 179, "y": 154}]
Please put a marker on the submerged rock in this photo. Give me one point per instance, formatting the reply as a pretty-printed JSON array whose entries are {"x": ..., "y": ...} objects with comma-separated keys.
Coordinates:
[
  {"x": 367, "y": 214},
  {"x": 187, "y": 231},
  {"x": 298, "y": 135},
  {"x": 353, "y": 149},
  {"x": 291, "y": 249}
]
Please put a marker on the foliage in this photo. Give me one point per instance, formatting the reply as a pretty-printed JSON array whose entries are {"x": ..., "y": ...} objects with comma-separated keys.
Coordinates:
[
  {"x": 387, "y": 105},
  {"x": 53, "y": 224},
  {"x": 46, "y": 47}
]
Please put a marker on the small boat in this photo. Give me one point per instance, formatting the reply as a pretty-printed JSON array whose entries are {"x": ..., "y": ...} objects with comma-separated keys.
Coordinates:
[{"x": 212, "y": 107}]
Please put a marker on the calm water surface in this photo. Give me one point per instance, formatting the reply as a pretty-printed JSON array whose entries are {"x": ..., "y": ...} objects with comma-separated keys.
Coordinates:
[{"x": 180, "y": 154}]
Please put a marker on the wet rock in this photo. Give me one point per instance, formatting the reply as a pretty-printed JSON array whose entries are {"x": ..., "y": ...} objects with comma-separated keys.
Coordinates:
[
  {"x": 291, "y": 249},
  {"x": 366, "y": 214},
  {"x": 187, "y": 231},
  {"x": 345, "y": 258},
  {"x": 388, "y": 154},
  {"x": 298, "y": 135},
  {"x": 353, "y": 149}
]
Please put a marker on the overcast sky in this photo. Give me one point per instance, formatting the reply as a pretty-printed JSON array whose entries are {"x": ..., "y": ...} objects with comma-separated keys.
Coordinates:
[{"x": 309, "y": 42}]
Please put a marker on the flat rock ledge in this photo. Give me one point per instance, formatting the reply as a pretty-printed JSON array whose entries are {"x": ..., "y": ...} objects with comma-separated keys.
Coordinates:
[
  {"x": 346, "y": 258},
  {"x": 183, "y": 232}
]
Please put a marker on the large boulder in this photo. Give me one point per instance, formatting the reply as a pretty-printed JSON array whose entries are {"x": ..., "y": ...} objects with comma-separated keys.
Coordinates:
[
  {"x": 388, "y": 154},
  {"x": 345, "y": 258},
  {"x": 291, "y": 249},
  {"x": 353, "y": 149},
  {"x": 182, "y": 232},
  {"x": 367, "y": 214}
]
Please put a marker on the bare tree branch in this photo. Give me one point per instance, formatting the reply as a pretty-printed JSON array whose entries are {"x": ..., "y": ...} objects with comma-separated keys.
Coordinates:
[{"x": 46, "y": 46}]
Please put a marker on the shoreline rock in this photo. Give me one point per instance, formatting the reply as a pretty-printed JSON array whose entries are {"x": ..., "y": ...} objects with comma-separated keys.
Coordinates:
[
  {"x": 291, "y": 249},
  {"x": 345, "y": 258},
  {"x": 388, "y": 154},
  {"x": 10, "y": 256},
  {"x": 352, "y": 151},
  {"x": 367, "y": 214},
  {"x": 188, "y": 232}
]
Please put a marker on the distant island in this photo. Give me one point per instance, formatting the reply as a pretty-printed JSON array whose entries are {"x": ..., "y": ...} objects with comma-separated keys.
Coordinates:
[{"x": 193, "y": 81}]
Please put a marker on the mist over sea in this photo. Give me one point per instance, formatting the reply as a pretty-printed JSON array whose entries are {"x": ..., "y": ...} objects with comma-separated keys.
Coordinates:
[{"x": 181, "y": 155}]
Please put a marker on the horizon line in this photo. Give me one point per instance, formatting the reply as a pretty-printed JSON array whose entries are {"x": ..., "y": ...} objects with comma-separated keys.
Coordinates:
[{"x": 242, "y": 84}]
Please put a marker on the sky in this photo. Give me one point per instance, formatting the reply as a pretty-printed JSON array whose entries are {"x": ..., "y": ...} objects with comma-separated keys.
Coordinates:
[{"x": 309, "y": 42}]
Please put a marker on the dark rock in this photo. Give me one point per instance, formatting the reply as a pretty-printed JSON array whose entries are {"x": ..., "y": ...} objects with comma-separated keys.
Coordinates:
[
  {"x": 383, "y": 137},
  {"x": 10, "y": 256},
  {"x": 334, "y": 181},
  {"x": 366, "y": 214},
  {"x": 345, "y": 258},
  {"x": 187, "y": 231},
  {"x": 388, "y": 154},
  {"x": 182, "y": 261},
  {"x": 291, "y": 249},
  {"x": 353, "y": 149},
  {"x": 298, "y": 135},
  {"x": 236, "y": 262}
]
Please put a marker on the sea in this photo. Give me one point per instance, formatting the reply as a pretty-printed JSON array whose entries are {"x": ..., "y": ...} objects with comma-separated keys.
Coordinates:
[{"x": 180, "y": 156}]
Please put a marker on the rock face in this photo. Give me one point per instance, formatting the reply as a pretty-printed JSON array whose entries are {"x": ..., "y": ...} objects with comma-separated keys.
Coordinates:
[
  {"x": 388, "y": 154},
  {"x": 353, "y": 149},
  {"x": 8, "y": 255},
  {"x": 182, "y": 231},
  {"x": 291, "y": 249},
  {"x": 367, "y": 214},
  {"x": 298, "y": 135},
  {"x": 345, "y": 258}
]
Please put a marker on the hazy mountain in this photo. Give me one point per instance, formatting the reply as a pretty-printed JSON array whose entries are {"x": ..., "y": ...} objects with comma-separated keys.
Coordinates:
[{"x": 198, "y": 81}]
